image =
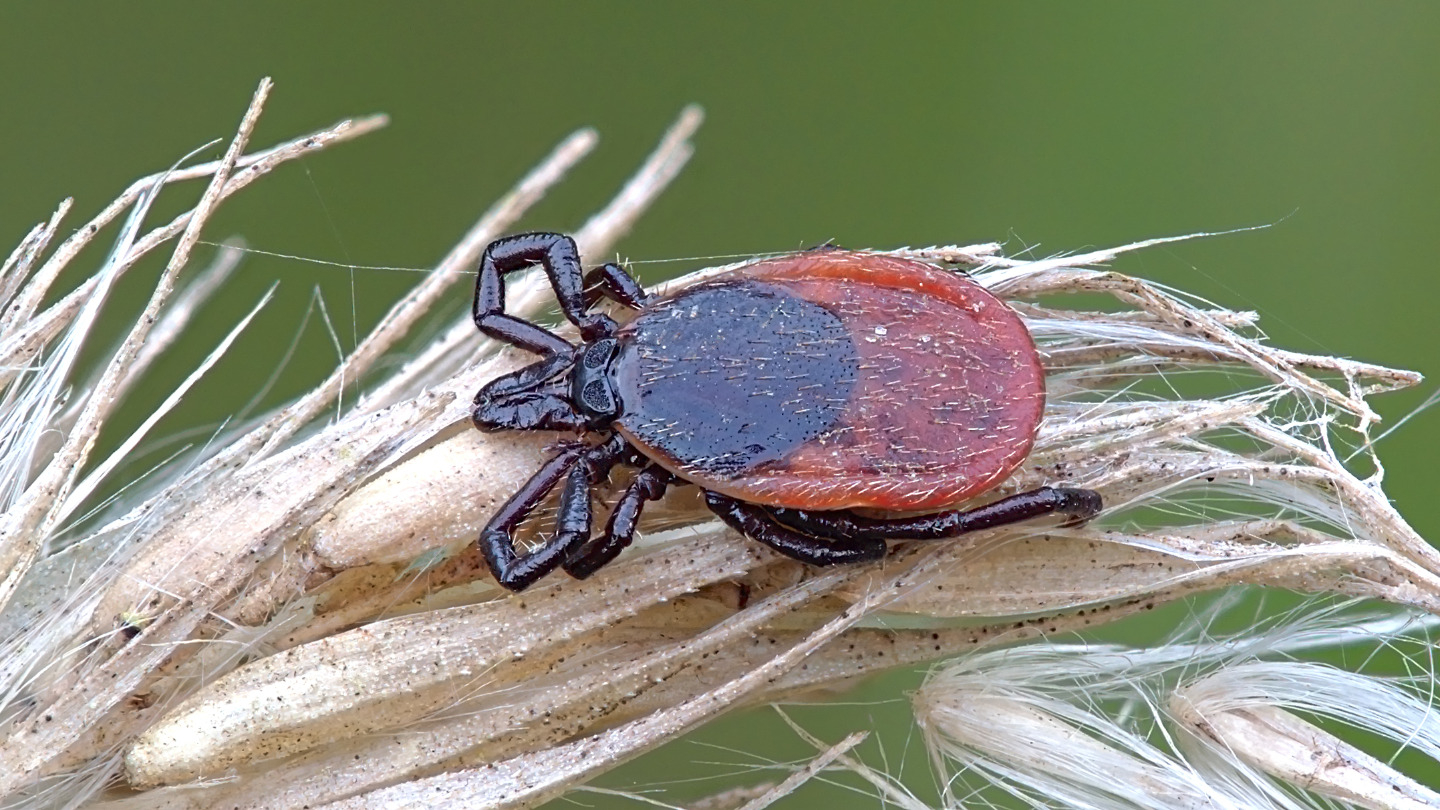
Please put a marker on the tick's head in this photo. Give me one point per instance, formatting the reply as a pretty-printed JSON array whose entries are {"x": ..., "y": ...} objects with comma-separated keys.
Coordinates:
[
  {"x": 592, "y": 382},
  {"x": 574, "y": 392}
]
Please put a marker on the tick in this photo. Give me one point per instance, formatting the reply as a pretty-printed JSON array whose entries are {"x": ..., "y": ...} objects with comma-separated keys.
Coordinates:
[{"x": 792, "y": 391}]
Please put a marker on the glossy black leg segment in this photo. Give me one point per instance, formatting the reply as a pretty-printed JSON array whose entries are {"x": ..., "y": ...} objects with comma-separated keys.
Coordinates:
[
  {"x": 754, "y": 522},
  {"x": 1079, "y": 504},
  {"x": 525, "y": 335},
  {"x": 578, "y": 465},
  {"x": 561, "y": 259},
  {"x": 529, "y": 411},
  {"x": 497, "y": 543},
  {"x": 523, "y": 400},
  {"x": 528, "y": 379},
  {"x": 611, "y": 281},
  {"x": 648, "y": 485}
]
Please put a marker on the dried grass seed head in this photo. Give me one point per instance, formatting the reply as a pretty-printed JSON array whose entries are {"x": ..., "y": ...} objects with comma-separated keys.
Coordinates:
[{"x": 228, "y": 556}]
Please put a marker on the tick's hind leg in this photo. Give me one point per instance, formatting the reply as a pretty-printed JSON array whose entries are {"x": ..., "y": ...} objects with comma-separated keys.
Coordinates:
[
  {"x": 754, "y": 522},
  {"x": 578, "y": 465},
  {"x": 1079, "y": 504},
  {"x": 648, "y": 485}
]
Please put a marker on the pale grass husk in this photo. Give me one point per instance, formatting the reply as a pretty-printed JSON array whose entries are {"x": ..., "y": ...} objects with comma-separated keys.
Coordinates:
[
  {"x": 1202, "y": 721},
  {"x": 311, "y": 626}
]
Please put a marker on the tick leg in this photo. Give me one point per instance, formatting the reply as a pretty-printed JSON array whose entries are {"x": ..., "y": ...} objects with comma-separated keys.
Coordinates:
[
  {"x": 526, "y": 411},
  {"x": 577, "y": 465},
  {"x": 527, "y": 379},
  {"x": 648, "y": 485},
  {"x": 1079, "y": 504},
  {"x": 497, "y": 540},
  {"x": 525, "y": 335},
  {"x": 753, "y": 522},
  {"x": 561, "y": 259},
  {"x": 523, "y": 400},
  {"x": 611, "y": 281}
]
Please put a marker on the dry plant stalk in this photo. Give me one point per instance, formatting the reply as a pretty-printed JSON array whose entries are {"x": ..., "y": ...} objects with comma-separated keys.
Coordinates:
[{"x": 287, "y": 621}]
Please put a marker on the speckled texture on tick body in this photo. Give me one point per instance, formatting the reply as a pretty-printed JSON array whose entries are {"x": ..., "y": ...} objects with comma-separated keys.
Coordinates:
[{"x": 832, "y": 380}]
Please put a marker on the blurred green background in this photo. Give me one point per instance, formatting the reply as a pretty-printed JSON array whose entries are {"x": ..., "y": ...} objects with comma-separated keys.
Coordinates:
[{"x": 1060, "y": 126}]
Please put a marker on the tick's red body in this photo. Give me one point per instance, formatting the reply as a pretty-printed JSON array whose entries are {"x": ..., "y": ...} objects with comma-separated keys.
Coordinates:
[
  {"x": 832, "y": 380},
  {"x": 790, "y": 390}
]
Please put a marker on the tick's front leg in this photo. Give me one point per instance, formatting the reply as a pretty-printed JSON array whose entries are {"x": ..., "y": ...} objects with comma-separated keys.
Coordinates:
[{"x": 560, "y": 258}]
